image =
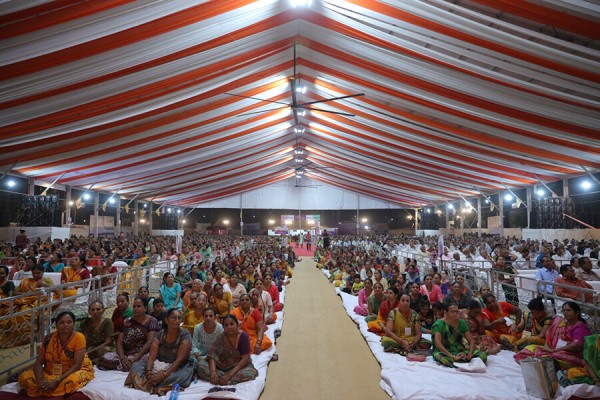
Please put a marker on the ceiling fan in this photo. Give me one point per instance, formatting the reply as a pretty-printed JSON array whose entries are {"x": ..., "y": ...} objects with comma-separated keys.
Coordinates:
[
  {"x": 298, "y": 108},
  {"x": 299, "y": 174}
]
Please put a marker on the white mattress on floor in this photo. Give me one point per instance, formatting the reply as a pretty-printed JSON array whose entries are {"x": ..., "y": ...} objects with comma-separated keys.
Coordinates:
[
  {"x": 402, "y": 379},
  {"x": 108, "y": 385}
]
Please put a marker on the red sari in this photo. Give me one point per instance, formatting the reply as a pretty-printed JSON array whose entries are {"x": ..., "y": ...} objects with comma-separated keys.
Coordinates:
[{"x": 501, "y": 332}]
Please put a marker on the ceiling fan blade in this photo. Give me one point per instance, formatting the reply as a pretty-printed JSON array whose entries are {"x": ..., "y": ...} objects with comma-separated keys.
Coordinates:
[
  {"x": 294, "y": 60},
  {"x": 332, "y": 99},
  {"x": 295, "y": 116},
  {"x": 262, "y": 111},
  {"x": 293, "y": 86},
  {"x": 331, "y": 112},
  {"x": 256, "y": 98}
]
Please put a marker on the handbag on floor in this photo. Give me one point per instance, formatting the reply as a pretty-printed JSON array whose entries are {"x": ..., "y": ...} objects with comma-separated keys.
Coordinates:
[
  {"x": 416, "y": 357},
  {"x": 540, "y": 377}
]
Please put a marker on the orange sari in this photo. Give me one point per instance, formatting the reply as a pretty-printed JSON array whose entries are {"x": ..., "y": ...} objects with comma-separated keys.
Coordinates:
[{"x": 248, "y": 323}]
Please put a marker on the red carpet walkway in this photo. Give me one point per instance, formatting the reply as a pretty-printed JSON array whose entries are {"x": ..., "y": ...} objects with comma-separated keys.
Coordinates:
[{"x": 302, "y": 252}]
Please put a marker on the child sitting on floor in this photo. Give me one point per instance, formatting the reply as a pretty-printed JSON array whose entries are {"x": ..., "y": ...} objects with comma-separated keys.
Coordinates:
[{"x": 357, "y": 285}]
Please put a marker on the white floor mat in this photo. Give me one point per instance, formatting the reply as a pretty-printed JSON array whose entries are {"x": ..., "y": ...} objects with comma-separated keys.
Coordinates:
[
  {"x": 108, "y": 385},
  {"x": 427, "y": 380}
]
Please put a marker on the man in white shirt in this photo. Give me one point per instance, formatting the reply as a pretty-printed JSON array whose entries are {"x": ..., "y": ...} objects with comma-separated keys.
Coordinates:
[
  {"x": 523, "y": 261},
  {"x": 585, "y": 271}
]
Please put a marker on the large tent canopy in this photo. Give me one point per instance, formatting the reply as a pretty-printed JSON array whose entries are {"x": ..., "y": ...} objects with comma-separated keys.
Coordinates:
[{"x": 165, "y": 99}]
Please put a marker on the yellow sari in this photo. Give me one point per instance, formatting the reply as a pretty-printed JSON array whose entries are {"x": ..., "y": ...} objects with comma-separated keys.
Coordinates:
[
  {"x": 222, "y": 306},
  {"x": 70, "y": 275},
  {"x": 16, "y": 331},
  {"x": 131, "y": 276},
  {"x": 191, "y": 319},
  {"x": 54, "y": 352}
]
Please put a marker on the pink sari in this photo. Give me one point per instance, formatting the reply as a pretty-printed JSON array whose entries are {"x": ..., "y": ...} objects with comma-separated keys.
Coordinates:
[
  {"x": 558, "y": 335},
  {"x": 362, "y": 308}
]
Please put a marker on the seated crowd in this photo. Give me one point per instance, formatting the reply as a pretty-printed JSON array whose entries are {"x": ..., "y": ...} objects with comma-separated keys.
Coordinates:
[
  {"x": 401, "y": 304},
  {"x": 206, "y": 320}
]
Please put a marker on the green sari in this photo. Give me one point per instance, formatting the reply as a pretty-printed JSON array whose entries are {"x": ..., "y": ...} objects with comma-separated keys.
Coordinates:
[
  {"x": 452, "y": 339},
  {"x": 591, "y": 352},
  {"x": 374, "y": 304}
]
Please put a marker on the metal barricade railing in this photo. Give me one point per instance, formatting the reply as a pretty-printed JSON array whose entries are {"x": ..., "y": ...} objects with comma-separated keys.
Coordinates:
[
  {"x": 529, "y": 288},
  {"x": 52, "y": 300}
]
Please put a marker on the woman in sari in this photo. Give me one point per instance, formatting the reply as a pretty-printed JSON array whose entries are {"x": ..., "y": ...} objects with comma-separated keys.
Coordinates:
[
  {"x": 506, "y": 275},
  {"x": 170, "y": 292},
  {"x": 483, "y": 342},
  {"x": 273, "y": 291},
  {"x": 62, "y": 366},
  {"x": 121, "y": 312},
  {"x": 18, "y": 266},
  {"x": 437, "y": 280},
  {"x": 16, "y": 330},
  {"x": 402, "y": 331},
  {"x": 7, "y": 287},
  {"x": 374, "y": 302},
  {"x": 107, "y": 273},
  {"x": 448, "y": 334},
  {"x": 144, "y": 295},
  {"x": 205, "y": 334},
  {"x": 251, "y": 322},
  {"x": 220, "y": 301},
  {"x": 194, "y": 315},
  {"x": 228, "y": 361},
  {"x": 534, "y": 325},
  {"x": 415, "y": 296},
  {"x": 37, "y": 281},
  {"x": 98, "y": 331},
  {"x": 457, "y": 296},
  {"x": 564, "y": 339},
  {"x": 378, "y": 278},
  {"x": 235, "y": 288},
  {"x": 497, "y": 321},
  {"x": 196, "y": 289},
  {"x": 74, "y": 273},
  {"x": 54, "y": 263},
  {"x": 268, "y": 313},
  {"x": 591, "y": 356},
  {"x": 363, "y": 298},
  {"x": 135, "y": 340},
  {"x": 133, "y": 277},
  {"x": 431, "y": 290},
  {"x": 184, "y": 279},
  {"x": 379, "y": 325},
  {"x": 169, "y": 361}
]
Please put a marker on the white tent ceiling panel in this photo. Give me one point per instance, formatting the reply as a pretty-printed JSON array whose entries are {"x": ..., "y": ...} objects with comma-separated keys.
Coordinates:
[
  {"x": 189, "y": 102},
  {"x": 309, "y": 195}
]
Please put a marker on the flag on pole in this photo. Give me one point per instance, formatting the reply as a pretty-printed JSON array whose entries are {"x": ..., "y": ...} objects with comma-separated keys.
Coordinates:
[
  {"x": 104, "y": 207},
  {"x": 519, "y": 202},
  {"x": 78, "y": 203},
  {"x": 179, "y": 243},
  {"x": 142, "y": 213},
  {"x": 492, "y": 206},
  {"x": 157, "y": 212},
  {"x": 127, "y": 208}
]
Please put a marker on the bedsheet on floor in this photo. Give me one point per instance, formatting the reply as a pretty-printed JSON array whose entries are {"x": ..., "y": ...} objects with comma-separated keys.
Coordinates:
[
  {"x": 402, "y": 379},
  {"x": 108, "y": 385}
]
